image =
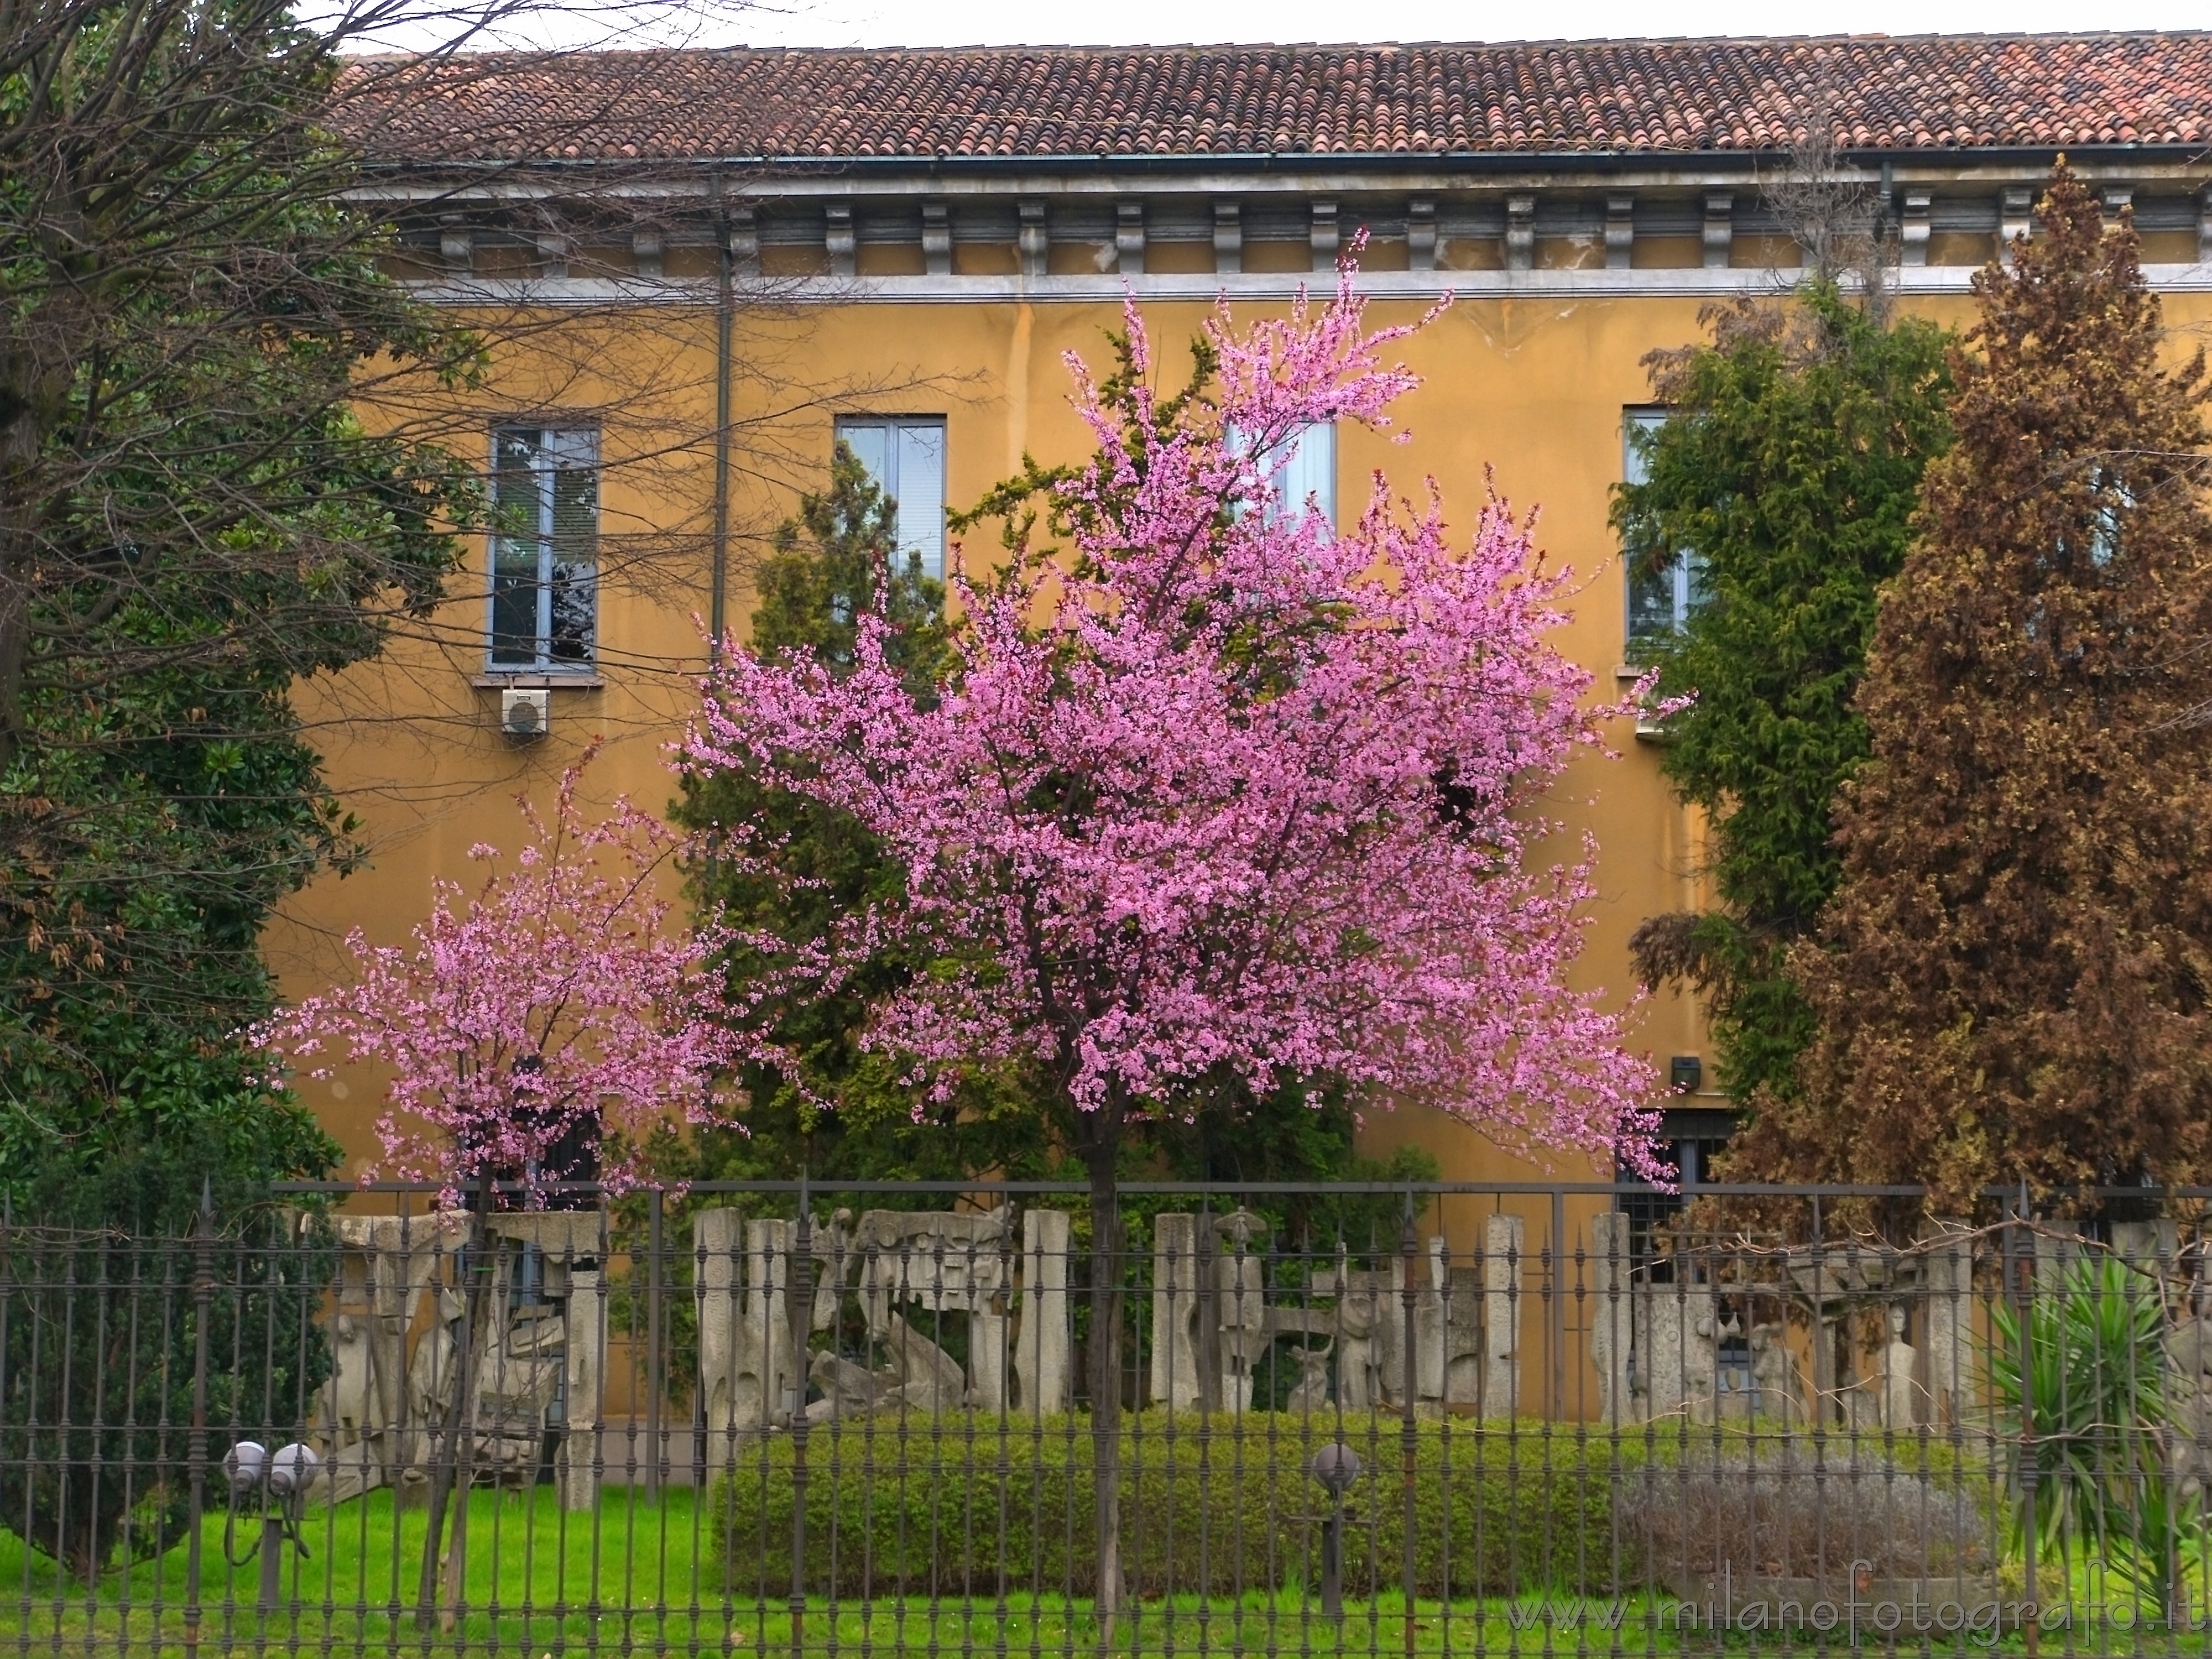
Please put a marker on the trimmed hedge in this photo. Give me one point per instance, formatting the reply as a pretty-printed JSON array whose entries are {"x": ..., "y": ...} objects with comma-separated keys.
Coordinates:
[{"x": 966, "y": 1505}]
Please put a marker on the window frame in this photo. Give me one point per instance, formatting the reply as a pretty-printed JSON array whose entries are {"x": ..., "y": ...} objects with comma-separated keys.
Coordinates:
[
  {"x": 556, "y": 447},
  {"x": 1682, "y": 575},
  {"x": 932, "y": 562}
]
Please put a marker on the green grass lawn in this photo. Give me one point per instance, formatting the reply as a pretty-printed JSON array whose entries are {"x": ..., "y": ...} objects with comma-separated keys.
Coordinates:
[{"x": 640, "y": 1576}]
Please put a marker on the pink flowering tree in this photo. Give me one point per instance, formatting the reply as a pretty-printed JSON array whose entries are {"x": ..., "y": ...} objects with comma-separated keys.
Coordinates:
[
  {"x": 1216, "y": 790},
  {"x": 534, "y": 1031},
  {"x": 539, "y": 1028}
]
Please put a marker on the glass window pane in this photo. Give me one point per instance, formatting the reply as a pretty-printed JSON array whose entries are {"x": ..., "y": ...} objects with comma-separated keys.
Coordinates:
[
  {"x": 870, "y": 441},
  {"x": 1309, "y": 475},
  {"x": 573, "y": 567},
  {"x": 1651, "y": 616},
  {"x": 1661, "y": 593},
  {"x": 544, "y": 548},
  {"x": 921, "y": 495},
  {"x": 517, "y": 507}
]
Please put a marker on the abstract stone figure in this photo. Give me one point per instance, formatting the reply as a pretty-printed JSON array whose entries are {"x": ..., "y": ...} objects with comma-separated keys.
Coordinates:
[
  {"x": 1463, "y": 1337},
  {"x": 1360, "y": 1306},
  {"x": 848, "y": 1389},
  {"x": 1677, "y": 1356},
  {"x": 364, "y": 1413},
  {"x": 750, "y": 1374},
  {"x": 930, "y": 1378},
  {"x": 1503, "y": 1239},
  {"x": 2189, "y": 1360},
  {"x": 586, "y": 1363},
  {"x": 1043, "y": 1352},
  {"x": 1174, "y": 1311},
  {"x": 1948, "y": 1270},
  {"x": 1774, "y": 1393},
  {"x": 1241, "y": 1305},
  {"x": 946, "y": 1262},
  {"x": 1309, "y": 1395},
  {"x": 1613, "y": 1315},
  {"x": 1710, "y": 1395},
  {"x": 1900, "y": 1387}
]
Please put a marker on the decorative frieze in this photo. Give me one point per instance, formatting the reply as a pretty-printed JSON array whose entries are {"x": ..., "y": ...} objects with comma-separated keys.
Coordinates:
[
  {"x": 1915, "y": 227},
  {"x": 1324, "y": 235},
  {"x": 837, "y": 236},
  {"x": 1620, "y": 231},
  {"x": 743, "y": 240},
  {"x": 456, "y": 246},
  {"x": 1520, "y": 233},
  {"x": 1718, "y": 233},
  {"x": 936, "y": 238},
  {"x": 1033, "y": 239},
  {"x": 1228, "y": 238},
  {"x": 1129, "y": 238},
  {"x": 1421, "y": 233},
  {"x": 2016, "y": 208}
]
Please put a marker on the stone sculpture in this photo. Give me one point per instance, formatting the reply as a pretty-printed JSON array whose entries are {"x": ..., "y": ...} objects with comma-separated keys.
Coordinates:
[
  {"x": 538, "y": 1359},
  {"x": 1900, "y": 1386},
  {"x": 753, "y": 1373},
  {"x": 365, "y": 1413},
  {"x": 1309, "y": 1395},
  {"x": 945, "y": 1262},
  {"x": 1182, "y": 1260},
  {"x": 750, "y": 1372},
  {"x": 1504, "y": 1243},
  {"x": 1041, "y": 1351},
  {"x": 1774, "y": 1391},
  {"x": 2189, "y": 1359}
]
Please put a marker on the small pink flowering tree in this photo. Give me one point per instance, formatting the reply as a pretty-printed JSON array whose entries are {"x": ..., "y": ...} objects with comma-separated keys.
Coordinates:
[
  {"x": 551, "y": 1016},
  {"x": 553, "y": 1009},
  {"x": 1216, "y": 790}
]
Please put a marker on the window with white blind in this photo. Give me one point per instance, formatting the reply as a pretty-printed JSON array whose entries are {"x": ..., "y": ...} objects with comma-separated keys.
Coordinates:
[
  {"x": 1662, "y": 593},
  {"x": 1303, "y": 466},
  {"x": 544, "y": 548},
  {"x": 905, "y": 457}
]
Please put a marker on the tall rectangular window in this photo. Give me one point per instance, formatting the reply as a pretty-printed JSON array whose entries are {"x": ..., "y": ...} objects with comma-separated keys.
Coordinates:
[
  {"x": 905, "y": 455},
  {"x": 544, "y": 548},
  {"x": 1662, "y": 592}
]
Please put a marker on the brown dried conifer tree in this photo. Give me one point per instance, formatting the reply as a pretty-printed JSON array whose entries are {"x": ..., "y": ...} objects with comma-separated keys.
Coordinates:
[{"x": 2013, "y": 979}]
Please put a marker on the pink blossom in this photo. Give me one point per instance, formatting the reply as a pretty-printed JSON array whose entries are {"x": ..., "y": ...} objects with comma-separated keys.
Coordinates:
[
  {"x": 556, "y": 1000},
  {"x": 1216, "y": 788}
]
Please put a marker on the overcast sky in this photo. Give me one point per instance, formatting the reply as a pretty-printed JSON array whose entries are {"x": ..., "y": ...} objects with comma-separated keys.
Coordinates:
[{"x": 1128, "y": 22}]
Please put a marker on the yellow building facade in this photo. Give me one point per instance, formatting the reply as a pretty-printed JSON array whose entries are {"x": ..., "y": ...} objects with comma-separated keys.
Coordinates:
[{"x": 682, "y": 317}]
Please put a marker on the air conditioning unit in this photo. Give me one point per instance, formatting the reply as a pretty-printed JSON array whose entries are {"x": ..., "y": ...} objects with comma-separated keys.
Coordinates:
[{"x": 525, "y": 713}]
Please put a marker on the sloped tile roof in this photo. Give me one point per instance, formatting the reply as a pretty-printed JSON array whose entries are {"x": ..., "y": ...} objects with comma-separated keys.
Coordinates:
[{"x": 1646, "y": 97}]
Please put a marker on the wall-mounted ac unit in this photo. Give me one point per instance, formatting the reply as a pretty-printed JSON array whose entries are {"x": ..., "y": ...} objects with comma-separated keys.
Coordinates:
[{"x": 525, "y": 713}]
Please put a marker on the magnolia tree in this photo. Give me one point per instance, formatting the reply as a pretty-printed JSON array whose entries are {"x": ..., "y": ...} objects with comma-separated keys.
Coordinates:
[
  {"x": 535, "y": 1031},
  {"x": 1216, "y": 790}
]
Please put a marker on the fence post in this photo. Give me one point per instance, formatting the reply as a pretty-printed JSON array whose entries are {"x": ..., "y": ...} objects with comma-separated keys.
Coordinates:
[
  {"x": 801, "y": 1315},
  {"x": 197, "y": 1449},
  {"x": 655, "y": 1379},
  {"x": 1410, "y": 1264},
  {"x": 2023, "y": 1278}
]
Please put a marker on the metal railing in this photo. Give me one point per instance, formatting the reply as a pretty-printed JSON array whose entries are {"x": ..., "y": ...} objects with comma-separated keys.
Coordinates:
[{"x": 1439, "y": 1418}]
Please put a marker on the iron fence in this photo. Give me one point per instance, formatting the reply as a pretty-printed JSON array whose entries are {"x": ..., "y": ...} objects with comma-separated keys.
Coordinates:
[{"x": 1438, "y": 1419}]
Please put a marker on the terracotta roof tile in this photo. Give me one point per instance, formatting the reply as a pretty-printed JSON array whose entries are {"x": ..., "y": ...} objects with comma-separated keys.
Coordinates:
[{"x": 1620, "y": 96}]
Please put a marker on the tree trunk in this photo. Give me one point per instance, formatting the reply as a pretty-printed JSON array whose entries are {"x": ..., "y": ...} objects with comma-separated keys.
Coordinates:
[
  {"x": 445, "y": 1457},
  {"x": 1106, "y": 1379}
]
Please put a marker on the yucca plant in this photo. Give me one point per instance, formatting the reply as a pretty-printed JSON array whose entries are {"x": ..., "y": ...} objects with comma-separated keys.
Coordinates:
[{"x": 2086, "y": 1399}]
